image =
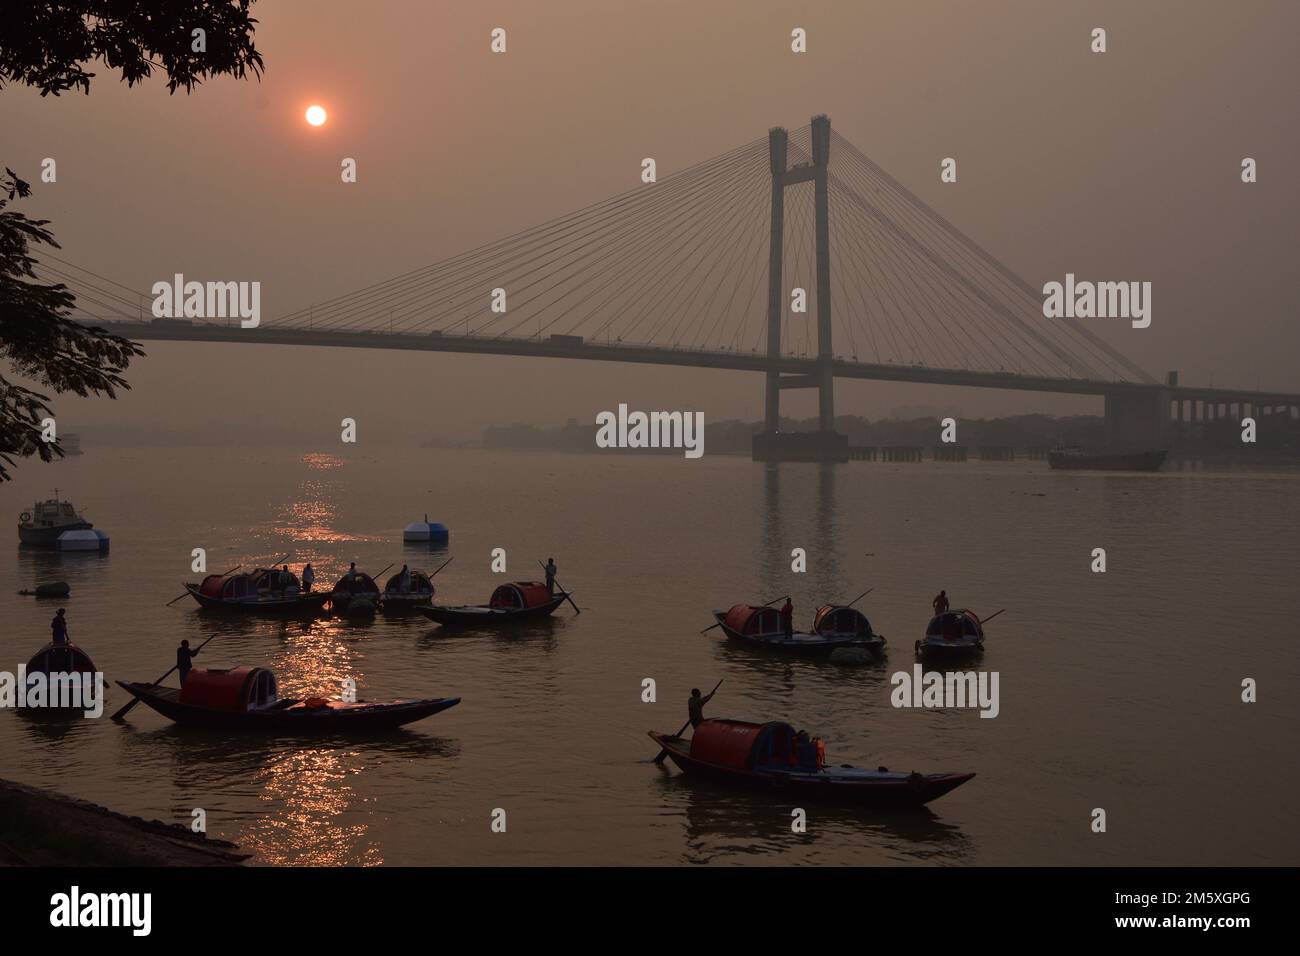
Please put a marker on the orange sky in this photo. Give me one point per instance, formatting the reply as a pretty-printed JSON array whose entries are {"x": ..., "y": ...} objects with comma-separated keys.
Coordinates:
[{"x": 1120, "y": 166}]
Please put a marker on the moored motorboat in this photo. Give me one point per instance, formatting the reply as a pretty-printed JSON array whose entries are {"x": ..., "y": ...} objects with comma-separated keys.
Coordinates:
[
  {"x": 519, "y": 601},
  {"x": 42, "y": 526},
  {"x": 954, "y": 634},
  {"x": 403, "y": 597},
  {"x": 837, "y": 621},
  {"x": 769, "y": 757},
  {"x": 356, "y": 594},
  {"x": 264, "y": 591},
  {"x": 245, "y": 699},
  {"x": 761, "y": 627}
]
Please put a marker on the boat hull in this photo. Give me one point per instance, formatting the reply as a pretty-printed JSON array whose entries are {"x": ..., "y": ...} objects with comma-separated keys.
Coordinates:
[
  {"x": 482, "y": 615},
  {"x": 336, "y": 718},
  {"x": 301, "y": 605},
  {"x": 405, "y": 603},
  {"x": 1122, "y": 461},
  {"x": 942, "y": 650},
  {"x": 34, "y": 537},
  {"x": 846, "y": 786},
  {"x": 811, "y": 645}
]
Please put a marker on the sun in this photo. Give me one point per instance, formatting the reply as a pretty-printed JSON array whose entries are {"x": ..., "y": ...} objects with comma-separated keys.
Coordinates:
[{"x": 316, "y": 115}]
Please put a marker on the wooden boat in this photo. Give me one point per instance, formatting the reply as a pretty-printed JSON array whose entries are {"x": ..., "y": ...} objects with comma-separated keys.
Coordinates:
[
  {"x": 420, "y": 590},
  {"x": 356, "y": 594},
  {"x": 264, "y": 591},
  {"x": 244, "y": 699},
  {"x": 517, "y": 602},
  {"x": 1076, "y": 459},
  {"x": 766, "y": 757},
  {"x": 952, "y": 635},
  {"x": 61, "y": 659},
  {"x": 41, "y": 527},
  {"x": 837, "y": 622},
  {"x": 761, "y": 627}
]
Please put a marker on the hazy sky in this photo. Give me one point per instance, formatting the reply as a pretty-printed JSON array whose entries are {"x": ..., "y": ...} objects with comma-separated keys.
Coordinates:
[{"x": 1119, "y": 166}]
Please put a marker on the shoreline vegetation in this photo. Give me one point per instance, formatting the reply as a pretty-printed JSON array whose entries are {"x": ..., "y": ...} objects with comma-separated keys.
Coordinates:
[{"x": 44, "y": 828}]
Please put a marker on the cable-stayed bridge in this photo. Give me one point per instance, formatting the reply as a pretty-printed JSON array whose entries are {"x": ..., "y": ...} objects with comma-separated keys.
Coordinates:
[{"x": 794, "y": 255}]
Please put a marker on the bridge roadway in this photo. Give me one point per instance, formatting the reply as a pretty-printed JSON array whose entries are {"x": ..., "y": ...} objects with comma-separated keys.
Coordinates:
[{"x": 572, "y": 348}]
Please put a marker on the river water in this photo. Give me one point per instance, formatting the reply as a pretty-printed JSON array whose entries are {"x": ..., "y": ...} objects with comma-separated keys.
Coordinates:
[{"x": 1119, "y": 691}]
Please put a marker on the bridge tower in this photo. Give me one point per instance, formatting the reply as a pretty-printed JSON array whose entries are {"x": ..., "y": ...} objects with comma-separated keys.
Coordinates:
[{"x": 825, "y": 444}]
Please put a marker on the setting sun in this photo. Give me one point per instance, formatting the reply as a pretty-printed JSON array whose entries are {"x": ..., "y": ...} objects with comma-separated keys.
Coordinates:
[{"x": 316, "y": 115}]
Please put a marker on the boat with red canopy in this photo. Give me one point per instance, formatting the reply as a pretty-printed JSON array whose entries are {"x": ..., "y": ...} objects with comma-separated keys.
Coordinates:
[
  {"x": 952, "y": 635},
  {"x": 519, "y": 601},
  {"x": 773, "y": 758},
  {"x": 355, "y": 594},
  {"x": 761, "y": 627},
  {"x": 244, "y": 698},
  {"x": 263, "y": 591},
  {"x": 839, "y": 621}
]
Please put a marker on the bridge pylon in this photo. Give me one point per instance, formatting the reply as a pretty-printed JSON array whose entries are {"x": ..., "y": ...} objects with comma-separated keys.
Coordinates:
[{"x": 825, "y": 444}]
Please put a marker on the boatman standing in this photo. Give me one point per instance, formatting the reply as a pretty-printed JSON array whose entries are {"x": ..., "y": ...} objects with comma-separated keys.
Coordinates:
[
  {"x": 940, "y": 603},
  {"x": 695, "y": 706},
  {"x": 185, "y": 660},
  {"x": 404, "y": 580},
  {"x": 550, "y": 576},
  {"x": 59, "y": 628},
  {"x": 787, "y": 619},
  {"x": 308, "y": 577}
]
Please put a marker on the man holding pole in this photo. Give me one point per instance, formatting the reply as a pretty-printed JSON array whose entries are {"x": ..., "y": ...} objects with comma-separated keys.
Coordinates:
[
  {"x": 695, "y": 706},
  {"x": 184, "y": 660}
]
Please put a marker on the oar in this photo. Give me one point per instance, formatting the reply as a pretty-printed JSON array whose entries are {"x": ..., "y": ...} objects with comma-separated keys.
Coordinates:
[
  {"x": 373, "y": 576},
  {"x": 187, "y": 590},
  {"x": 768, "y": 604},
  {"x": 991, "y": 617},
  {"x": 561, "y": 587},
  {"x": 443, "y": 565},
  {"x": 664, "y": 753},
  {"x": 859, "y": 597},
  {"x": 135, "y": 700}
]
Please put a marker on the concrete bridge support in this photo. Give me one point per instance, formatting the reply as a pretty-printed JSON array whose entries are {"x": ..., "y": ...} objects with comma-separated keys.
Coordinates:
[
  {"x": 824, "y": 444},
  {"x": 1138, "y": 420}
]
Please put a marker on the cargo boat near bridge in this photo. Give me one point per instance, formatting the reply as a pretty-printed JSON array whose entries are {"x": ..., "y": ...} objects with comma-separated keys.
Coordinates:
[{"x": 1076, "y": 459}]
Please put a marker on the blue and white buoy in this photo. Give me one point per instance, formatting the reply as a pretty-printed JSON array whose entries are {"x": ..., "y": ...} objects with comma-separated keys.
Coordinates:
[
  {"x": 86, "y": 539},
  {"x": 426, "y": 532}
]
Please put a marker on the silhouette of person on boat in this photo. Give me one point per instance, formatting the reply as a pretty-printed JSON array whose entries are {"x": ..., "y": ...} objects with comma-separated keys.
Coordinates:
[
  {"x": 940, "y": 603},
  {"x": 59, "y": 628},
  {"x": 308, "y": 577},
  {"x": 787, "y": 619},
  {"x": 550, "y": 576},
  {"x": 695, "y": 706},
  {"x": 185, "y": 660}
]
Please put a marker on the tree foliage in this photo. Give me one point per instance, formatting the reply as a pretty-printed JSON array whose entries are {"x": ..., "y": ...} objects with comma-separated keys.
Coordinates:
[{"x": 47, "y": 46}]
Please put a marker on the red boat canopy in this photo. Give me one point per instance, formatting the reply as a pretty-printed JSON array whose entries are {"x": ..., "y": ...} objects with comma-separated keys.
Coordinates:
[
  {"x": 224, "y": 587},
  {"x": 740, "y": 745},
  {"x": 358, "y": 583},
  {"x": 835, "y": 619},
  {"x": 520, "y": 595},
  {"x": 753, "y": 620},
  {"x": 235, "y": 690},
  {"x": 951, "y": 625}
]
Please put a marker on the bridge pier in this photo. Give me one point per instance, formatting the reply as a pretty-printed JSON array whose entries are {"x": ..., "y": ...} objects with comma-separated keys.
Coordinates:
[
  {"x": 1138, "y": 420},
  {"x": 825, "y": 444}
]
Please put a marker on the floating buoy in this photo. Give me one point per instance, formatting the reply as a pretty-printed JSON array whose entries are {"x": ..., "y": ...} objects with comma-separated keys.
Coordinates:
[
  {"x": 86, "y": 539},
  {"x": 426, "y": 532},
  {"x": 55, "y": 589}
]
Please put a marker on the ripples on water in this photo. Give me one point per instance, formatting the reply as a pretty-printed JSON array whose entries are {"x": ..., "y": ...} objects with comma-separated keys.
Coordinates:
[{"x": 1118, "y": 690}]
